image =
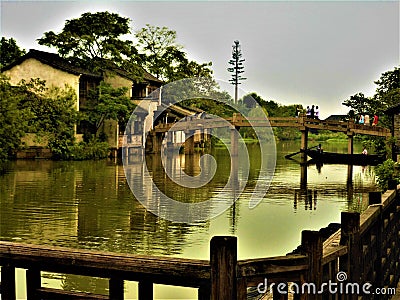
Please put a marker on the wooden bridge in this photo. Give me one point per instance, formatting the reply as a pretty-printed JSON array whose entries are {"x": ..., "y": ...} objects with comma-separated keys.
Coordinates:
[
  {"x": 365, "y": 252},
  {"x": 194, "y": 123}
]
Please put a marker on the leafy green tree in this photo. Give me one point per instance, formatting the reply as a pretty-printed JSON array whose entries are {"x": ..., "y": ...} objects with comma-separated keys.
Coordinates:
[
  {"x": 107, "y": 103},
  {"x": 91, "y": 38},
  {"x": 387, "y": 94},
  {"x": 9, "y": 51},
  {"x": 53, "y": 115},
  {"x": 162, "y": 56},
  {"x": 388, "y": 87},
  {"x": 13, "y": 119},
  {"x": 361, "y": 104}
]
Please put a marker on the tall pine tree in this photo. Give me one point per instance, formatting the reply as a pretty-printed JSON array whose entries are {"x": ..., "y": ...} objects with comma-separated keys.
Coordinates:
[{"x": 237, "y": 69}]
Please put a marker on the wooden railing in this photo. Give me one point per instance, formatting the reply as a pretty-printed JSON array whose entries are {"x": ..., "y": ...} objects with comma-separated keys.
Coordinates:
[
  {"x": 366, "y": 250},
  {"x": 237, "y": 120}
]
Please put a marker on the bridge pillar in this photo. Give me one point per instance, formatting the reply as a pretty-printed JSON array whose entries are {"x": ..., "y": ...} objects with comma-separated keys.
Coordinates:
[
  {"x": 157, "y": 142},
  {"x": 304, "y": 143},
  {"x": 189, "y": 142},
  {"x": 235, "y": 141},
  {"x": 350, "y": 142}
]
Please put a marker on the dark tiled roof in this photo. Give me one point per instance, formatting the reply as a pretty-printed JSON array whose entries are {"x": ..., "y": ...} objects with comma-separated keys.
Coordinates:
[
  {"x": 146, "y": 75},
  {"x": 53, "y": 60},
  {"x": 63, "y": 64}
]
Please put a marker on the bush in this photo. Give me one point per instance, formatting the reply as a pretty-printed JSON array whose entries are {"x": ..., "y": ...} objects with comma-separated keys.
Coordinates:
[
  {"x": 388, "y": 170},
  {"x": 90, "y": 150}
]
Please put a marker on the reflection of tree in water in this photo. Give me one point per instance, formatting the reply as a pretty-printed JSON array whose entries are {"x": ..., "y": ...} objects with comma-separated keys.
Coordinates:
[{"x": 76, "y": 283}]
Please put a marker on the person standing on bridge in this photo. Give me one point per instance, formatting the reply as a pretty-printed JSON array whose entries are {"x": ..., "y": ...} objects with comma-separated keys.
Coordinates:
[
  {"x": 312, "y": 112},
  {"x": 366, "y": 119},
  {"x": 317, "y": 112},
  {"x": 375, "y": 120},
  {"x": 361, "y": 121},
  {"x": 308, "y": 112}
]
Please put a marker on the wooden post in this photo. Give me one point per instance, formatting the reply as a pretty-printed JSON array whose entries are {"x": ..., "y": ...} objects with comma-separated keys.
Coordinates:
[
  {"x": 350, "y": 143},
  {"x": 350, "y": 236},
  {"x": 392, "y": 184},
  {"x": 145, "y": 290},
  {"x": 33, "y": 283},
  {"x": 223, "y": 261},
  {"x": 116, "y": 287},
  {"x": 311, "y": 243},
  {"x": 189, "y": 142},
  {"x": 374, "y": 198},
  {"x": 204, "y": 292},
  {"x": 234, "y": 141},
  {"x": 8, "y": 283},
  {"x": 304, "y": 143}
]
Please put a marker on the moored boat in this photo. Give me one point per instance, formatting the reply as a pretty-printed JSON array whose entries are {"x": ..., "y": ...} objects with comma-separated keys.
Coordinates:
[{"x": 344, "y": 158}]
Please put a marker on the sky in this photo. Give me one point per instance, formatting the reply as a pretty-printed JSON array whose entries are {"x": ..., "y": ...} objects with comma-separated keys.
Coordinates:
[{"x": 296, "y": 52}]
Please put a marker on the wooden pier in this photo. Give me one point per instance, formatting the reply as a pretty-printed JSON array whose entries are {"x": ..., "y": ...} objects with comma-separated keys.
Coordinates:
[{"x": 366, "y": 249}]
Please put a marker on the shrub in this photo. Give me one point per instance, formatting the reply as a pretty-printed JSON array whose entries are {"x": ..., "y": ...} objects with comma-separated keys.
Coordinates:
[{"x": 388, "y": 170}]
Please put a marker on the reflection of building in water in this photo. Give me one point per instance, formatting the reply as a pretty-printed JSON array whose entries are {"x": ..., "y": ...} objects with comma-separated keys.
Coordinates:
[{"x": 308, "y": 196}]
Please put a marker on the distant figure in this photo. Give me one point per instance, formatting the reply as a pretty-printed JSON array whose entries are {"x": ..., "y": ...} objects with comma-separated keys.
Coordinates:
[
  {"x": 365, "y": 152},
  {"x": 308, "y": 112},
  {"x": 298, "y": 111},
  {"x": 317, "y": 112},
  {"x": 366, "y": 119},
  {"x": 375, "y": 120},
  {"x": 319, "y": 148},
  {"x": 312, "y": 112},
  {"x": 361, "y": 121}
]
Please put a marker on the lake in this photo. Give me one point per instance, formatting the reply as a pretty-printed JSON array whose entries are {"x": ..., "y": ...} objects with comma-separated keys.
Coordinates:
[{"x": 89, "y": 205}]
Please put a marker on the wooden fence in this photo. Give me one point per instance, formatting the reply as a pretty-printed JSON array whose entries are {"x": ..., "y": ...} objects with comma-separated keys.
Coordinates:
[{"x": 364, "y": 254}]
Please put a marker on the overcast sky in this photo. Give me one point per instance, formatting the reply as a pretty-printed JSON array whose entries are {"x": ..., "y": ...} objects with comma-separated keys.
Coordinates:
[{"x": 296, "y": 52}]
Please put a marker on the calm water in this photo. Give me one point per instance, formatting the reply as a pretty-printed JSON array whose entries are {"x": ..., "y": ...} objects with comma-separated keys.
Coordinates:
[{"x": 89, "y": 205}]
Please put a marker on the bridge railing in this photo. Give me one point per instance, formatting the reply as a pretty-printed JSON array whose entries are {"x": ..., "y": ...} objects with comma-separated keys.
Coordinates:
[{"x": 366, "y": 250}]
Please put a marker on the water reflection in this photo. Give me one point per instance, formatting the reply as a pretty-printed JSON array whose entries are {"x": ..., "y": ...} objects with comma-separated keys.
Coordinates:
[{"x": 89, "y": 205}]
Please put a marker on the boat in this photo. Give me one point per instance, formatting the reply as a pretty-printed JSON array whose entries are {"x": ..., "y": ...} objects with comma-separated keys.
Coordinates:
[{"x": 344, "y": 158}]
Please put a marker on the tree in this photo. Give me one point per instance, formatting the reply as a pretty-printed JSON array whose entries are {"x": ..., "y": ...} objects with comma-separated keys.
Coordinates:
[
  {"x": 388, "y": 90},
  {"x": 13, "y": 119},
  {"x": 107, "y": 103},
  {"x": 237, "y": 69},
  {"x": 9, "y": 51},
  {"x": 162, "y": 56},
  {"x": 361, "y": 104},
  {"x": 93, "y": 37}
]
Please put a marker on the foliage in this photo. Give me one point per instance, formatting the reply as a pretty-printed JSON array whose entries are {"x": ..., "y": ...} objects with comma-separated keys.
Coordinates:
[
  {"x": 92, "y": 37},
  {"x": 92, "y": 149},
  {"x": 106, "y": 103},
  {"x": 31, "y": 107},
  {"x": 162, "y": 56},
  {"x": 9, "y": 51},
  {"x": 388, "y": 170},
  {"x": 13, "y": 119},
  {"x": 361, "y": 104},
  {"x": 53, "y": 115},
  {"x": 387, "y": 94}
]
